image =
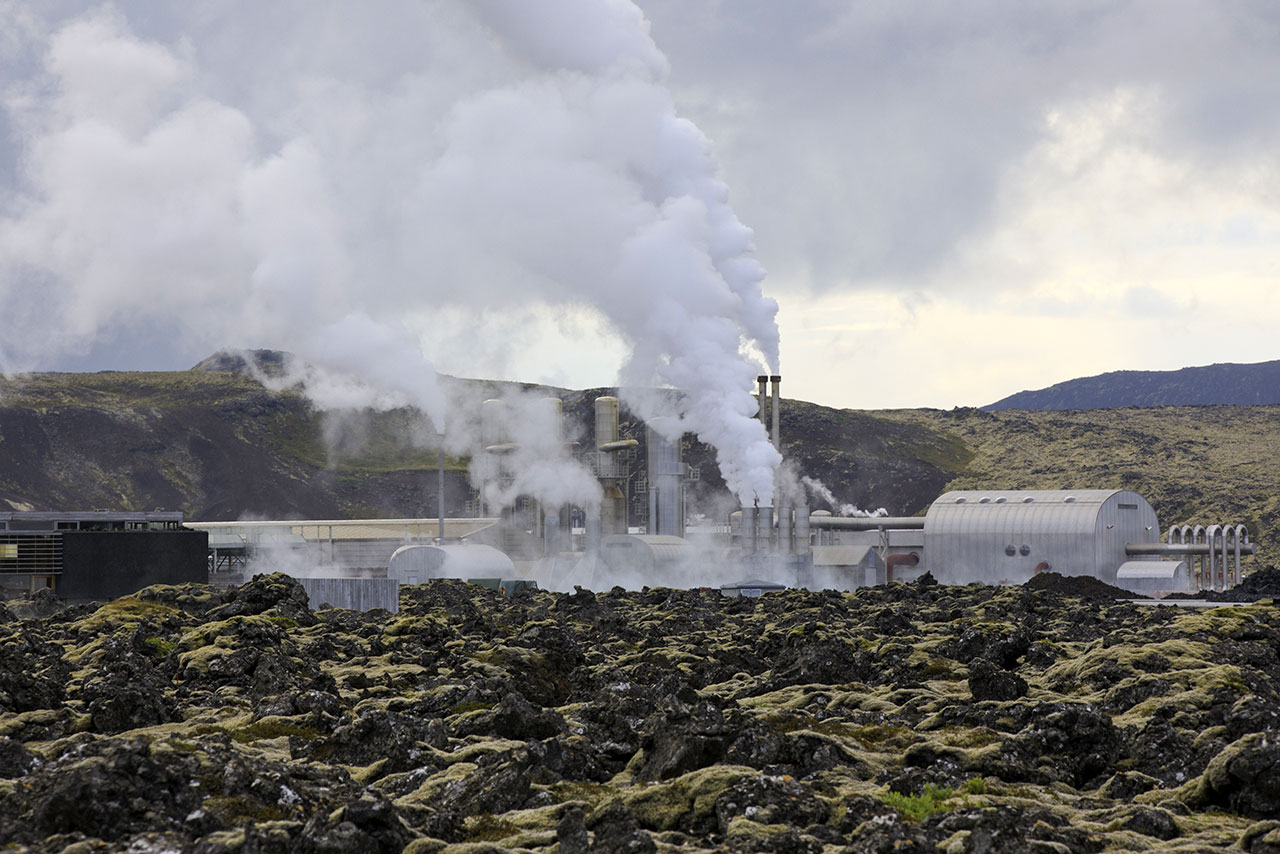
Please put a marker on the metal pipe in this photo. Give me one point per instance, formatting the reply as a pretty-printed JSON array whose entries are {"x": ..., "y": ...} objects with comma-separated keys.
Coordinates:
[
  {"x": 1202, "y": 577},
  {"x": 763, "y": 393},
  {"x": 777, "y": 423},
  {"x": 1241, "y": 540},
  {"x": 764, "y": 528},
  {"x": 440, "y": 488},
  {"x": 802, "y": 529},
  {"x": 1212, "y": 534},
  {"x": 786, "y": 544},
  {"x": 893, "y": 561},
  {"x": 748, "y": 535},
  {"x": 866, "y": 523},
  {"x": 1138, "y": 549}
]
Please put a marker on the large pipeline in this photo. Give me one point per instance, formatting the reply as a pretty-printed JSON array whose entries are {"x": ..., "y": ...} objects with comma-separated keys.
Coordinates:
[
  {"x": 867, "y": 523},
  {"x": 1211, "y": 546}
]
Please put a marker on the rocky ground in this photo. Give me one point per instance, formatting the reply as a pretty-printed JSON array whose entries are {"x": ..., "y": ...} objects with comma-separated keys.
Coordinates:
[{"x": 900, "y": 718}]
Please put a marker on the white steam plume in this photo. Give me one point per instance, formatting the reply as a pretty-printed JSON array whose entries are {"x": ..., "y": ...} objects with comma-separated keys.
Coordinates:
[
  {"x": 840, "y": 508},
  {"x": 336, "y": 180}
]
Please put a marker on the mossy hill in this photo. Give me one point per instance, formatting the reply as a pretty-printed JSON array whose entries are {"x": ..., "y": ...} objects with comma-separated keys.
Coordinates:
[{"x": 218, "y": 445}]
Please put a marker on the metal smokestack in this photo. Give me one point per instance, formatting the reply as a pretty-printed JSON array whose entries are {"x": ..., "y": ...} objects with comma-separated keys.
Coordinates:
[
  {"x": 777, "y": 423},
  {"x": 802, "y": 529},
  {"x": 666, "y": 487},
  {"x": 764, "y": 400}
]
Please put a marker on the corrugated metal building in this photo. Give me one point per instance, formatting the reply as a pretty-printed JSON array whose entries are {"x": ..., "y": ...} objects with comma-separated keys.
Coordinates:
[{"x": 1005, "y": 537}]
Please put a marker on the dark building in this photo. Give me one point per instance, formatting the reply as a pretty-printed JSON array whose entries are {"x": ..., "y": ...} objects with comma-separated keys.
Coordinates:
[{"x": 99, "y": 554}]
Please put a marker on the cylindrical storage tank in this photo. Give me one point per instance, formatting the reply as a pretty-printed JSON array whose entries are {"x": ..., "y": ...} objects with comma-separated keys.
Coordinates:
[
  {"x": 802, "y": 529},
  {"x": 419, "y": 564},
  {"x": 555, "y": 415},
  {"x": 764, "y": 529},
  {"x": 666, "y": 485},
  {"x": 493, "y": 422},
  {"x": 606, "y": 420},
  {"x": 748, "y": 530}
]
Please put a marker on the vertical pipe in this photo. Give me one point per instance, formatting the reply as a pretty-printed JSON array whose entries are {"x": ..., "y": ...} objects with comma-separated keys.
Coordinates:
[
  {"x": 1212, "y": 534},
  {"x": 1202, "y": 578},
  {"x": 777, "y": 427},
  {"x": 764, "y": 400},
  {"x": 440, "y": 488},
  {"x": 802, "y": 529},
  {"x": 749, "y": 529},
  {"x": 786, "y": 543},
  {"x": 764, "y": 527}
]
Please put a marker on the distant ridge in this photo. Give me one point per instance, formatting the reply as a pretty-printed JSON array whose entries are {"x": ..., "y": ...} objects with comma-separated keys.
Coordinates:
[{"x": 1228, "y": 384}]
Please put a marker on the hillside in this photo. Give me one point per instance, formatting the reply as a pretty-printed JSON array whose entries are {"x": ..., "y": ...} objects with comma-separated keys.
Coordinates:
[
  {"x": 1212, "y": 385},
  {"x": 218, "y": 445}
]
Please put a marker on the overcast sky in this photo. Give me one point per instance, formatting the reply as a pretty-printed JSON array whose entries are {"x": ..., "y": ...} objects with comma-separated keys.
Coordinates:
[{"x": 952, "y": 201}]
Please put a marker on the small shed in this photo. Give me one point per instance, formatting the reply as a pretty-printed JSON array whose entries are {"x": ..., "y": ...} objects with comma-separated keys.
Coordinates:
[
  {"x": 750, "y": 588},
  {"x": 1155, "y": 577},
  {"x": 418, "y": 564},
  {"x": 846, "y": 567}
]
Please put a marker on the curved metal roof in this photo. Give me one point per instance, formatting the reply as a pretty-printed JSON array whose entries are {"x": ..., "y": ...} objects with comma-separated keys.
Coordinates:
[{"x": 1044, "y": 510}]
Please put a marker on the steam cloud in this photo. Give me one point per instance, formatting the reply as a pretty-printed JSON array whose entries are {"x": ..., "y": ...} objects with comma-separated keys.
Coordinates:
[
  {"x": 840, "y": 508},
  {"x": 316, "y": 178}
]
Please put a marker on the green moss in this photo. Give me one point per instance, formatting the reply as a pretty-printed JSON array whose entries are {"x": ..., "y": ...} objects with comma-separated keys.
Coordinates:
[
  {"x": 126, "y": 610},
  {"x": 236, "y": 810},
  {"x": 921, "y": 806},
  {"x": 879, "y": 733},
  {"x": 161, "y": 646},
  {"x": 938, "y": 668},
  {"x": 489, "y": 828},
  {"x": 470, "y": 706},
  {"x": 685, "y": 800},
  {"x": 272, "y": 728},
  {"x": 969, "y": 736}
]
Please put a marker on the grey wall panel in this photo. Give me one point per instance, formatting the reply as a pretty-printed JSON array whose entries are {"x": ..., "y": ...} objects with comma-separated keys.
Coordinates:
[{"x": 355, "y": 594}]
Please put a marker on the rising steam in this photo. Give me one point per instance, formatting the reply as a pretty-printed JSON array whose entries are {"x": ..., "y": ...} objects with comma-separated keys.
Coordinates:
[{"x": 333, "y": 201}]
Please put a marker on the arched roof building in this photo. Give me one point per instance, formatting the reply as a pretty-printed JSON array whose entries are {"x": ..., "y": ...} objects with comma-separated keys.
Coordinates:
[{"x": 1005, "y": 537}]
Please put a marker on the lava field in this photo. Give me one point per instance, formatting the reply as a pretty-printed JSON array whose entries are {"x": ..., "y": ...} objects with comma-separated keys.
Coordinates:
[{"x": 907, "y": 717}]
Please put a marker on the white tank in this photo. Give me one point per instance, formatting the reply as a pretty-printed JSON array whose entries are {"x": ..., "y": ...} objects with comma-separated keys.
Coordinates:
[{"x": 419, "y": 564}]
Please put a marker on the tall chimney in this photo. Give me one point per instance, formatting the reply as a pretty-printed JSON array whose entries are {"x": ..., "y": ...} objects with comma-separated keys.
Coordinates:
[
  {"x": 777, "y": 423},
  {"x": 764, "y": 401}
]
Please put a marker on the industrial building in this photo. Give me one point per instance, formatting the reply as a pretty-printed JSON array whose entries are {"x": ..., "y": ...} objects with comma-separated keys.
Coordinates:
[
  {"x": 986, "y": 536},
  {"x": 98, "y": 554}
]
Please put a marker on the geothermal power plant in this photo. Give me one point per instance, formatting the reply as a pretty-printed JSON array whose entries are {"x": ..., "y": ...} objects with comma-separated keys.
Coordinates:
[
  {"x": 985, "y": 536},
  {"x": 514, "y": 542}
]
